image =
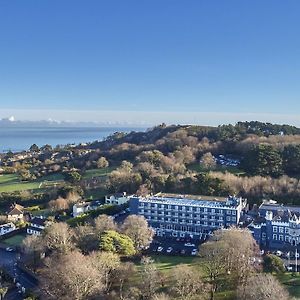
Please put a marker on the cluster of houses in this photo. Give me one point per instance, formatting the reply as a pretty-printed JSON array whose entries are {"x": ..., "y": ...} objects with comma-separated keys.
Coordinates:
[
  {"x": 274, "y": 226},
  {"x": 84, "y": 207},
  {"x": 37, "y": 224},
  {"x": 18, "y": 214}
]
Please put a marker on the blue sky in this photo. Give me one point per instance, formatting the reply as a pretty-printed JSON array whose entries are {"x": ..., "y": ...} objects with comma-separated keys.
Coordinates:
[{"x": 226, "y": 60}]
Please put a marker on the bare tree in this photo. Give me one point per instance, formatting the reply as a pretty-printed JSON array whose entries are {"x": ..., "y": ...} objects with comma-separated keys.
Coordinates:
[
  {"x": 59, "y": 237},
  {"x": 262, "y": 287},
  {"x": 71, "y": 276},
  {"x": 188, "y": 282},
  {"x": 214, "y": 264},
  {"x": 241, "y": 249},
  {"x": 103, "y": 223},
  {"x": 150, "y": 278},
  {"x": 86, "y": 238},
  {"x": 33, "y": 247},
  {"x": 136, "y": 227},
  {"x": 208, "y": 161},
  {"x": 102, "y": 163},
  {"x": 108, "y": 264},
  {"x": 59, "y": 204}
]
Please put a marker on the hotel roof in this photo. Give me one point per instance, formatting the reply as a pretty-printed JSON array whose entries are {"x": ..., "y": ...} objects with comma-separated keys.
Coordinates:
[{"x": 193, "y": 200}]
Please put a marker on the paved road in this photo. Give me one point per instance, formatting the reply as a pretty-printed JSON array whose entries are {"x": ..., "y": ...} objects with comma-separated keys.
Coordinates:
[{"x": 8, "y": 261}]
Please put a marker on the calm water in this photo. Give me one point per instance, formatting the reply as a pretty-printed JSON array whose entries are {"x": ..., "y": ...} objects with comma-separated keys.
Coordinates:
[{"x": 18, "y": 139}]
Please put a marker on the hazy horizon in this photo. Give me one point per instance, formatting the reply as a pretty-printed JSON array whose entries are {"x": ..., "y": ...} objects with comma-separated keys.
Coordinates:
[{"x": 148, "y": 62}]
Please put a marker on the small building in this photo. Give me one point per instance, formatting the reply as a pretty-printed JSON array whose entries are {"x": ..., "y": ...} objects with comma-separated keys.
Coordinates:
[
  {"x": 84, "y": 207},
  {"x": 36, "y": 226},
  {"x": 117, "y": 199},
  {"x": 6, "y": 228},
  {"x": 16, "y": 213}
]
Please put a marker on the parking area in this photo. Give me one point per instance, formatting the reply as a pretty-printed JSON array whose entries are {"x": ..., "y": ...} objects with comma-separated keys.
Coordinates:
[{"x": 172, "y": 247}]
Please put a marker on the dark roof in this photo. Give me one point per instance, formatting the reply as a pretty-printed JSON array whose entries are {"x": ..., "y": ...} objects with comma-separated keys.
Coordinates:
[
  {"x": 35, "y": 228},
  {"x": 38, "y": 221}
]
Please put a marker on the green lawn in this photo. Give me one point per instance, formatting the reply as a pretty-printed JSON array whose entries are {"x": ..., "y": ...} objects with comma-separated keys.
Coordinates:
[
  {"x": 165, "y": 263},
  {"x": 97, "y": 172},
  {"x": 15, "y": 240},
  {"x": 11, "y": 182},
  {"x": 291, "y": 282}
]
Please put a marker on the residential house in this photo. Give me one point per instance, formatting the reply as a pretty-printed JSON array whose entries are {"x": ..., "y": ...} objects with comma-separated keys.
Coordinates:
[
  {"x": 84, "y": 207},
  {"x": 16, "y": 213},
  {"x": 36, "y": 226},
  {"x": 117, "y": 199},
  {"x": 6, "y": 228}
]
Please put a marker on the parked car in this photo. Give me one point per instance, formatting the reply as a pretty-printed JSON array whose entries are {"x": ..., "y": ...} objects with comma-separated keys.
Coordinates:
[
  {"x": 169, "y": 250},
  {"x": 194, "y": 252},
  {"x": 189, "y": 245},
  {"x": 182, "y": 251},
  {"x": 9, "y": 249},
  {"x": 160, "y": 249}
]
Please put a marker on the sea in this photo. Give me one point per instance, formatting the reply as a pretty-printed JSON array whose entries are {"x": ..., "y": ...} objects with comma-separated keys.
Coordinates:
[{"x": 21, "y": 138}]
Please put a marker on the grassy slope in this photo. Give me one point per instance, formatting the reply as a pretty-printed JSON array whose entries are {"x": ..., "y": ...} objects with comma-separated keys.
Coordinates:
[
  {"x": 15, "y": 240},
  {"x": 11, "y": 182}
]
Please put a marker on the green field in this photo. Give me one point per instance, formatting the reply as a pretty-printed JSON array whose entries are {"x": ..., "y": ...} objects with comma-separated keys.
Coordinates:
[
  {"x": 15, "y": 240},
  {"x": 97, "y": 172},
  {"x": 292, "y": 282},
  {"x": 11, "y": 182},
  {"x": 165, "y": 263}
]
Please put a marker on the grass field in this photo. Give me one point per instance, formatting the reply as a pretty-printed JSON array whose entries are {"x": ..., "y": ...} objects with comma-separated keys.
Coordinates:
[
  {"x": 15, "y": 240},
  {"x": 291, "y": 282},
  {"x": 166, "y": 264},
  {"x": 97, "y": 172},
  {"x": 11, "y": 182}
]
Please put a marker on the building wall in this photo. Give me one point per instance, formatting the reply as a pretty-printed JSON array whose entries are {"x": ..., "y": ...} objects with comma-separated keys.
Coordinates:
[{"x": 184, "y": 220}]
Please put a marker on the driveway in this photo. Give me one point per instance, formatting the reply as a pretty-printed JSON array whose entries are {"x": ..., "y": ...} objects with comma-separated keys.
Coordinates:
[{"x": 8, "y": 261}]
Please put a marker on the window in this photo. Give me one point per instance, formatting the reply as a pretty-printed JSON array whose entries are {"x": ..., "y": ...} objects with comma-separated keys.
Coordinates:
[
  {"x": 221, "y": 218},
  {"x": 233, "y": 219},
  {"x": 280, "y": 237},
  {"x": 205, "y": 223},
  {"x": 280, "y": 229},
  {"x": 227, "y": 218},
  {"x": 274, "y": 228},
  {"x": 287, "y": 238},
  {"x": 234, "y": 212},
  {"x": 286, "y": 230},
  {"x": 275, "y": 237},
  {"x": 213, "y": 224},
  {"x": 213, "y": 211},
  {"x": 228, "y": 212},
  {"x": 264, "y": 234},
  {"x": 174, "y": 233},
  {"x": 205, "y": 209}
]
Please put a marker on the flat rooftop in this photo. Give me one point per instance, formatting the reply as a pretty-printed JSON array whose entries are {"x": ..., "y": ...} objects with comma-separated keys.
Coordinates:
[
  {"x": 192, "y": 200},
  {"x": 191, "y": 197}
]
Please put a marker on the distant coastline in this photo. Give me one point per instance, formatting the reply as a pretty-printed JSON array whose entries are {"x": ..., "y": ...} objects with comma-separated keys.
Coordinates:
[{"x": 20, "y": 138}]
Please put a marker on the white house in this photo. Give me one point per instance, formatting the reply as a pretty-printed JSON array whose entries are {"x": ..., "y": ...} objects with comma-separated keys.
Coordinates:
[
  {"x": 83, "y": 207},
  {"x": 6, "y": 228},
  {"x": 117, "y": 199},
  {"x": 36, "y": 226}
]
